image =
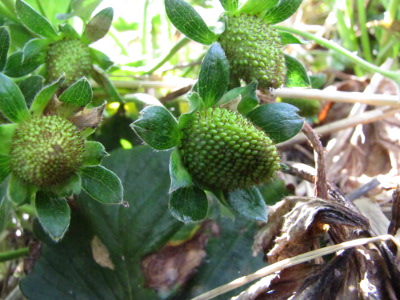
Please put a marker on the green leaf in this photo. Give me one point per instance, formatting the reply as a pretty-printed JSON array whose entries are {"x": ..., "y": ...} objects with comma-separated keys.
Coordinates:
[
  {"x": 53, "y": 213},
  {"x": 44, "y": 96},
  {"x": 253, "y": 7},
  {"x": 69, "y": 32},
  {"x": 282, "y": 11},
  {"x": 157, "y": 127},
  {"x": 279, "y": 120},
  {"x": 288, "y": 38},
  {"x": 189, "y": 22},
  {"x": 17, "y": 66},
  {"x": 102, "y": 184},
  {"x": 248, "y": 97},
  {"x": 34, "y": 21},
  {"x": 180, "y": 177},
  {"x": 214, "y": 75},
  {"x": 94, "y": 153},
  {"x": 188, "y": 204},
  {"x": 100, "y": 59},
  {"x": 35, "y": 49},
  {"x": 30, "y": 87},
  {"x": 4, "y": 45},
  {"x": 18, "y": 191},
  {"x": 229, "y": 5},
  {"x": 5, "y": 215},
  {"x": 4, "y": 167},
  {"x": 12, "y": 102},
  {"x": 73, "y": 185},
  {"x": 78, "y": 94},
  {"x": 6, "y": 134},
  {"x": 247, "y": 202},
  {"x": 98, "y": 26},
  {"x": 84, "y": 8},
  {"x": 195, "y": 101},
  {"x": 101, "y": 77},
  {"x": 296, "y": 75}
]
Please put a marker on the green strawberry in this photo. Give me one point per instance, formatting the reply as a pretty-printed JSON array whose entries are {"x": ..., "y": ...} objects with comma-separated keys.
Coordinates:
[
  {"x": 222, "y": 150},
  {"x": 254, "y": 51},
  {"x": 69, "y": 56},
  {"x": 46, "y": 150}
]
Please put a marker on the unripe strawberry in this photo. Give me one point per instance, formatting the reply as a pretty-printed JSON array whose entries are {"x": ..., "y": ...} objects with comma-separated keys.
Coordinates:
[
  {"x": 254, "y": 51},
  {"x": 46, "y": 150},
  {"x": 69, "y": 56},
  {"x": 222, "y": 150}
]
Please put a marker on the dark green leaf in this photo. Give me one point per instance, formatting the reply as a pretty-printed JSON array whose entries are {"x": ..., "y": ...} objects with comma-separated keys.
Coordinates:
[
  {"x": 6, "y": 134},
  {"x": 157, "y": 127},
  {"x": 296, "y": 75},
  {"x": 189, "y": 22},
  {"x": 188, "y": 204},
  {"x": 73, "y": 185},
  {"x": 180, "y": 177},
  {"x": 4, "y": 167},
  {"x": 253, "y": 7},
  {"x": 78, "y": 94},
  {"x": 282, "y": 11},
  {"x": 98, "y": 26},
  {"x": 44, "y": 96},
  {"x": 5, "y": 215},
  {"x": 94, "y": 153},
  {"x": 288, "y": 38},
  {"x": 101, "y": 184},
  {"x": 100, "y": 59},
  {"x": 84, "y": 8},
  {"x": 34, "y": 21},
  {"x": 17, "y": 66},
  {"x": 4, "y": 45},
  {"x": 53, "y": 213},
  {"x": 279, "y": 120},
  {"x": 30, "y": 87},
  {"x": 18, "y": 191},
  {"x": 248, "y": 97},
  {"x": 247, "y": 202},
  {"x": 214, "y": 75},
  {"x": 229, "y": 5},
  {"x": 12, "y": 102}
]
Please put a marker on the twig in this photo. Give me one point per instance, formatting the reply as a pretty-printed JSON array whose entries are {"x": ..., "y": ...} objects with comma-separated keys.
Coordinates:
[
  {"x": 175, "y": 94},
  {"x": 395, "y": 221}
]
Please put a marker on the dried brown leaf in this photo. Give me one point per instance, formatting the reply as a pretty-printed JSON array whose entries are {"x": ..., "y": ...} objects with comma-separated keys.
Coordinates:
[{"x": 100, "y": 253}]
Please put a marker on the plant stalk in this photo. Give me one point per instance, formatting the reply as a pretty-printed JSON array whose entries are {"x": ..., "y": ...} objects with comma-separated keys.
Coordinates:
[{"x": 14, "y": 254}]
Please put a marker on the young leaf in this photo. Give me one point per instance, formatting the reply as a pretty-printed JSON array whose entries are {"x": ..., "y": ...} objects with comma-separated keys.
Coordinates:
[
  {"x": 189, "y": 22},
  {"x": 79, "y": 94},
  {"x": 12, "y": 102},
  {"x": 288, "y": 38},
  {"x": 188, "y": 204},
  {"x": 279, "y": 120},
  {"x": 4, "y": 167},
  {"x": 94, "y": 153},
  {"x": 296, "y": 75},
  {"x": 6, "y": 134},
  {"x": 4, "y": 45},
  {"x": 44, "y": 96},
  {"x": 180, "y": 177},
  {"x": 18, "y": 191},
  {"x": 214, "y": 75},
  {"x": 53, "y": 213},
  {"x": 282, "y": 11},
  {"x": 229, "y": 5},
  {"x": 34, "y": 21},
  {"x": 17, "y": 66},
  {"x": 248, "y": 99},
  {"x": 253, "y": 7},
  {"x": 72, "y": 186},
  {"x": 98, "y": 26},
  {"x": 157, "y": 127},
  {"x": 101, "y": 184},
  {"x": 247, "y": 202}
]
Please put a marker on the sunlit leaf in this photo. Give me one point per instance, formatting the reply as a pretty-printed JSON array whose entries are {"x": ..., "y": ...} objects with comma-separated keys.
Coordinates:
[
  {"x": 282, "y": 11},
  {"x": 296, "y": 75}
]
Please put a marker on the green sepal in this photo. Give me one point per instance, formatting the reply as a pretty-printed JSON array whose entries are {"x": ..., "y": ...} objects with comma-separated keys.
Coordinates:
[
  {"x": 180, "y": 177},
  {"x": 35, "y": 50},
  {"x": 68, "y": 31},
  {"x": 248, "y": 203},
  {"x": 230, "y": 5},
  {"x": 4, "y": 45},
  {"x": 30, "y": 87},
  {"x": 248, "y": 98},
  {"x": 94, "y": 153},
  {"x": 214, "y": 75},
  {"x": 5, "y": 209},
  {"x": 100, "y": 59},
  {"x": 195, "y": 101},
  {"x": 12, "y": 102},
  {"x": 189, "y": 22},
  {"x": 253, "y": 7},
  {"x": 188, "y": 204},
  {"x": 72, "y": 185},
  {"x": 6, "y": 134},
  {"x": 17, "y": 66},
  {"x": 34, "y": 21},
  {"x": 101, "y": 77},
  {"x": 279, "y": 120},
  {"x": 44, "y": 96},
  {"x": 102, "y": 184},
  {"x": 157, "y": 127},
  {"x": 282, "y": 11},
  {"x": 288, "y": 38},
  {"x": 296, "y": 75},
  {"x": 4, "y": 167},
  {"x": 78, "y": 94},
  {"x": 84, "y": 9},
  {"x": 53, "y": 213},
  {"x": 98, "y": 26},
  {"x": 18, "y": 191}
]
